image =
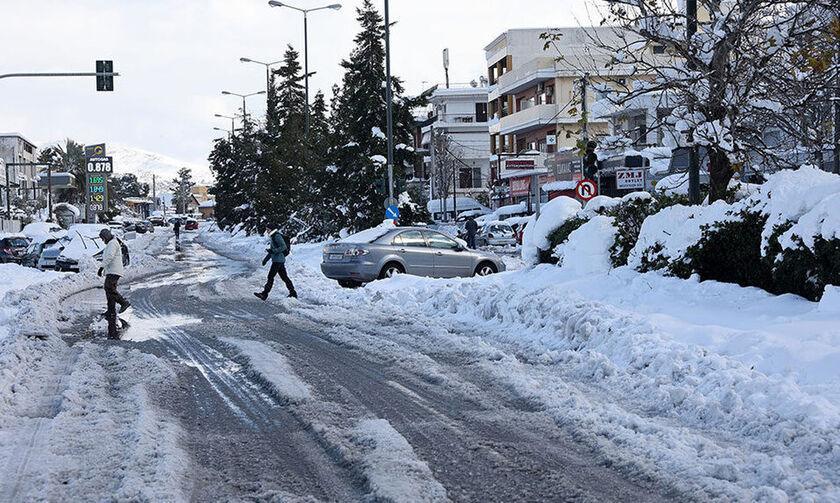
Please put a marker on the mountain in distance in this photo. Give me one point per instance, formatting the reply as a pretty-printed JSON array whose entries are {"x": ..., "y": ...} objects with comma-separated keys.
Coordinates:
[{"x": 144, "y": 164}]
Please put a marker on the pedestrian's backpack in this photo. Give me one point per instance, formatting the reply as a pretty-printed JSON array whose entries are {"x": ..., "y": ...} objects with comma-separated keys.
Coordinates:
[
  {"x": 126, "y": 256},
  {"x": 288, "y": 241}
]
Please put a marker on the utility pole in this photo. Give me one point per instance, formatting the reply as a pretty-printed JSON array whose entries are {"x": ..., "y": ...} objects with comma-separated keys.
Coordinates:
[
  {"x": 433, "y": 164},
  {"x": 584, "y": 113},
  {"x": 154, "y": 191},
  {"x": 693, "y": 162},
  {"x": 837, "y": 110},
  {"x": 446, "y": 65},
  {"x": 49, "y": 193},
  {"x": 8, "y": 194},
  {"x": 389, "y": 106}
]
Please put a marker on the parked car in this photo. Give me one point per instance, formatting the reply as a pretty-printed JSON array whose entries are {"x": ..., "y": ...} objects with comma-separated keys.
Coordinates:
[
  {"x": 495, "y": 234},
  {"x": 84, "y": 241},
  {"x": 141, "y": 227},
  {"x": 175, "y": 219},
  {"x": 191, "y": 225},
  {"x": 158, "y": 221},
  {"x": 129, "y": 226},
  {"x": 49, "y": 254},
  {"x": 12, "y": 248},
  {"x": 32, "y": 256},
  {"x": 411, "y": 250}
]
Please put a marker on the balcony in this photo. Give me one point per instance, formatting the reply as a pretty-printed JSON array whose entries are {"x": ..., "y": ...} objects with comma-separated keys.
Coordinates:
[
  {"x": 532, "y": 118},
  {"x": 528, "y": 75}
]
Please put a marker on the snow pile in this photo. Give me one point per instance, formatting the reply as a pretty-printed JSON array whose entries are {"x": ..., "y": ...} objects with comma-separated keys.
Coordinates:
[
  {"x": 274, "y": 368},
  {"x": 552, "y": 216},
  {"x": 587, "y": 249},
  {"x": 392, "y": 469}
]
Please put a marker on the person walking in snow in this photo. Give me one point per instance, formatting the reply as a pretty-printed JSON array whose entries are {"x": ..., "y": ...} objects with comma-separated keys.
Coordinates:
[
  {"x": 276, "y": 253},
  {"x": 472, "y": 228},
  {"x": 177, "y": 228},
  {"x": 112, "y": 269}
]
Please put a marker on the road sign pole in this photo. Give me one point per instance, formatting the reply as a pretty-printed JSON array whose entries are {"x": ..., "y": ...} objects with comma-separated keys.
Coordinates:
[
  {"x": 389, "y": 105},
  {"x": 536, "y": 183}
]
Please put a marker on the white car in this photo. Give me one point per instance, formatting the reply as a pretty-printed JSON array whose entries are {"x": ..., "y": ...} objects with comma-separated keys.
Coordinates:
[{"x": 84, "y": 242}]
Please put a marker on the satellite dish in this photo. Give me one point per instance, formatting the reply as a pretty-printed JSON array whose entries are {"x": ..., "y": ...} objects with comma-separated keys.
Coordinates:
[{"x": 473, "y": 83}]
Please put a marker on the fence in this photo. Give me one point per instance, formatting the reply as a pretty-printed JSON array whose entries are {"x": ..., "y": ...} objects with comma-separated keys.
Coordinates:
[{"x": 9, "y": 225}]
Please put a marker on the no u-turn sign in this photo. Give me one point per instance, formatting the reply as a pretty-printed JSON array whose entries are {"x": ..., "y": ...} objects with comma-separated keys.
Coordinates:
[{"x": 586, "y": 189}]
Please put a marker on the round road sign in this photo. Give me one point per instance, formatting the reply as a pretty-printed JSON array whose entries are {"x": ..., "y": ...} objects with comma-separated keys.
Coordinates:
[{"x": 586, "y": 189}]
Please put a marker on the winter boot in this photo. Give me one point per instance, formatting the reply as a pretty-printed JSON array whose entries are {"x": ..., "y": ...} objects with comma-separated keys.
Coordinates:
[
  {"x": 293, "y": 294},
  {"x": 124, "y": 307},
  {"x": 260, "y": 295}
]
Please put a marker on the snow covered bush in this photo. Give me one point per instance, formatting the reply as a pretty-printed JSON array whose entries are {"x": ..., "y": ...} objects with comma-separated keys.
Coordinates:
[
  {"x": 784, "y": 237},
  {"x": 558, "y": 237},
  {"x": 553, "y": 215}
]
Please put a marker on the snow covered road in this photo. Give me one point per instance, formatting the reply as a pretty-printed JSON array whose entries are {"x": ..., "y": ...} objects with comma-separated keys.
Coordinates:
[
  {"x": 215, "y": 395},
  {"x": 414, "y": 390}
]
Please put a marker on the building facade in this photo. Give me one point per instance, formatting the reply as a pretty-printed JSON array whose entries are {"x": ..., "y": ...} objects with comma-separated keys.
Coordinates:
[
  {"x": 23, "y": 181},
  {"x": 535, "y": 104},
  {"x": 457, "y": 129}
]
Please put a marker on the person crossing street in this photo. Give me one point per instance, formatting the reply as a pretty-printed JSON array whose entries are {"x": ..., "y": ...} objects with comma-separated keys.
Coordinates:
[
  {"x": 112, "y": 268},
  {"x": 276, "y": 253}
]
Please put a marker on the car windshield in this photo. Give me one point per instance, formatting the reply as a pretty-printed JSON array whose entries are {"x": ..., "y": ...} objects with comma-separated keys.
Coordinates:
[{"x": 17, "y": 242}]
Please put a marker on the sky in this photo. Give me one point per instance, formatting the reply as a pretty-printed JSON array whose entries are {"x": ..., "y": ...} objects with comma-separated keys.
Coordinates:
[{"x": 176, "y": 56}]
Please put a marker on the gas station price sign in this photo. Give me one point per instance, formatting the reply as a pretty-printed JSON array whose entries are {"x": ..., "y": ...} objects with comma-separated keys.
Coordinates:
[{"x": 98, "y": 192}]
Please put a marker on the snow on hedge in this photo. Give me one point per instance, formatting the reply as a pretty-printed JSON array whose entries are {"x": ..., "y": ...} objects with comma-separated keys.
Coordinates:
[
  {"x": 587, "y": 249},
  {"x": 809, "y": 197},
  {"x": 552, "y": 216}
]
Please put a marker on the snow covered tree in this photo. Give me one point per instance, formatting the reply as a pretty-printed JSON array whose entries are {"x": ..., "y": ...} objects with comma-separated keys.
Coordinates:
[
  {"x": 182, "y": 189},
  {"x": 359, "y": 117},
  {"x": 724, "y": 86}
]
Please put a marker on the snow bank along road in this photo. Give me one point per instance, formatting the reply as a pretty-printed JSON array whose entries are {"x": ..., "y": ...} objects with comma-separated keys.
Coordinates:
[
  {"x": 213, "y": 395},
  {"x": 508, "y": 388}
]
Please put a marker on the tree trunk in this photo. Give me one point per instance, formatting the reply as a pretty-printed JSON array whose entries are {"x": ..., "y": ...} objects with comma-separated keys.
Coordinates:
[{"x": 720, "y": 172}]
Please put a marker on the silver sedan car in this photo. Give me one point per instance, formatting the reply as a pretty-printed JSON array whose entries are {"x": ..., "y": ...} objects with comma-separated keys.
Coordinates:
[{"x": 409, "y": 250}]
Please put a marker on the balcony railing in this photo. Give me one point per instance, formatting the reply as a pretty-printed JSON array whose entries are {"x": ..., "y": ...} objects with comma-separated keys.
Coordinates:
[
  {"x": 535, "y": 116},
  {"x": 536, "y": 70}
]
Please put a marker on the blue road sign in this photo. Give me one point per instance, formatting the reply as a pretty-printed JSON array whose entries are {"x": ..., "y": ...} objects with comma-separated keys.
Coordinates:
[{"x": 392, "y": 212}]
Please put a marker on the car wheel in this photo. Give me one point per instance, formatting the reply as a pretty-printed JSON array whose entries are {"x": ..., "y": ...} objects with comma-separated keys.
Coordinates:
[
  {"x": 349, "y": 283},
  {"x": 485, "y": 269},
  {"x": 390, "y": 270}
]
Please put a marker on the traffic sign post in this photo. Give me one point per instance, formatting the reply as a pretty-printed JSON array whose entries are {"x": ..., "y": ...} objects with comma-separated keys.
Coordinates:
[
  {"x": 392, "y": 213},
  {"x": 586, "y": 189}
]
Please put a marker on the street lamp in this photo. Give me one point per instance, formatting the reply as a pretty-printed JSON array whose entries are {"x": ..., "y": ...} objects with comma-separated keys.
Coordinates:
[
  {"x": 334, "y": 6},
  {"x": 267, "y": 72},
  {"x": 232, "y": 118},
  {"x": 243, "y": 96}
]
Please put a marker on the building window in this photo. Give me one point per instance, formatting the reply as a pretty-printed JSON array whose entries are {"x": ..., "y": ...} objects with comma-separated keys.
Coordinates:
[
  {"x": 469, "y": 178},
  {"x": 481, "y": 112}
]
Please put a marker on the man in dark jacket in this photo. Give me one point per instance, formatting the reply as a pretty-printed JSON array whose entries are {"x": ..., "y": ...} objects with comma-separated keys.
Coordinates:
[
  {"x": 472, "y": 228},
  {"x": 177, "y": 227},
  {"x": 277, "y": 254}
]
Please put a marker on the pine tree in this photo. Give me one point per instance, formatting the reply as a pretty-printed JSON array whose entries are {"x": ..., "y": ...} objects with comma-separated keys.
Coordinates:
[
  {"x": 359, "y": 116},
  {"x": 182, "y": 189}
]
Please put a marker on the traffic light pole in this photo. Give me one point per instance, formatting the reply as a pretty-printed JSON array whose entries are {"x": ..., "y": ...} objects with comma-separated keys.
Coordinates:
[
  {"x": 389, "y": 107},
  {"x": 65, "y": 74}
]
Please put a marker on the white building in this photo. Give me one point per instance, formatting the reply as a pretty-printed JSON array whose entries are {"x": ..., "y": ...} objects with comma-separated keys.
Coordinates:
[
  {"x": 23, "y": 180},
  {"x": 459, "y": 114}
]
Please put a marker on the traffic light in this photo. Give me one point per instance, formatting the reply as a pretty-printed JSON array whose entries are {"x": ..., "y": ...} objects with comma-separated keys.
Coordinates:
[
  {"x": 104, "y": 82},
  {"x": 590, "y": 160}
]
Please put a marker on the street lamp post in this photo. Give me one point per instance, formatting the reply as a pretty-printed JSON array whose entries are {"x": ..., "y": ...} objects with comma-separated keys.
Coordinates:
[
  {"x": 335, "y": 6},
  {"x": 243, "y": 96},
  {"x": 267, "y": 72},
  {"x": 229, "y": 132},
  {"x": 232, "y": 126},
  {"x": 389, "y": 99}
]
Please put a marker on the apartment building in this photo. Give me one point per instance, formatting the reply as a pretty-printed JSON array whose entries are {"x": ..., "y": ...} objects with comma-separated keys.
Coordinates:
[
  {"x": 534, "y": 103},
  {"x": 458, "y": 122},
  {"x": 23, "y": 180}
]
